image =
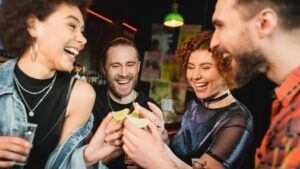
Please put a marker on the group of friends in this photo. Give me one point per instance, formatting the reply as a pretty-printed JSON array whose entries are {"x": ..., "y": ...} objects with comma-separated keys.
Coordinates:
[{"x": 75, "y": 124}]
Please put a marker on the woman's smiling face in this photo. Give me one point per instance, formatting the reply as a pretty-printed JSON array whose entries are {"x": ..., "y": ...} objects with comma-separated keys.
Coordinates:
[{"x": 203, "y": 75}]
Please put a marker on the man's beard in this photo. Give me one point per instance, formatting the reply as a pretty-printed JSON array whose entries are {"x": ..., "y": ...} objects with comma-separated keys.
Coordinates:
[{"x": 248, "y": 66}]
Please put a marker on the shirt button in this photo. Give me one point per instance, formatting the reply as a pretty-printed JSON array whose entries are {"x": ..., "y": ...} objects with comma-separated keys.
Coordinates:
[{"x": 259, "y": 155}]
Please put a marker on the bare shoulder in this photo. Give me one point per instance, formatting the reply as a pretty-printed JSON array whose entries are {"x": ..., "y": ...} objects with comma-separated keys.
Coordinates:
[
  {"x": 81, "y": 101},
  {"x": 79, "y": 108},
  {"x": 83, "y": 91}
]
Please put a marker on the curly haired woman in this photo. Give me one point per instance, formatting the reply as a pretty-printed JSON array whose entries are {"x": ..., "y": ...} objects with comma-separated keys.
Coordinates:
[{"x": 216, "y": 129}]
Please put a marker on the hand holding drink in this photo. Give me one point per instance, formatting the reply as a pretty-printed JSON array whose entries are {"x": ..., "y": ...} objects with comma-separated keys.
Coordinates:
[
  {"x": 138, "y": 120},
  {"x": 135, "y": 118},
  {"x": 15, "y": 144}
]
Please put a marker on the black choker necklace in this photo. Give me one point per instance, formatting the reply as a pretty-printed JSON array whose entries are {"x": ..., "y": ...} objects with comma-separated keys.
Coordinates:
[{"x": 212, "y": 100}]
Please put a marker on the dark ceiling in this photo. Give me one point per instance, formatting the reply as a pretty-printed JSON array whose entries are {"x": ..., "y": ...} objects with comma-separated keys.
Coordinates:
[
  {"x": 140, "y": 14},
  {"x": 137, "y": 12}
]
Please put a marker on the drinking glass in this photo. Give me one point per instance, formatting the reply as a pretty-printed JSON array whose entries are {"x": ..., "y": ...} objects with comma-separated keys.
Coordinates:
[{"x": 25, "y": 131}]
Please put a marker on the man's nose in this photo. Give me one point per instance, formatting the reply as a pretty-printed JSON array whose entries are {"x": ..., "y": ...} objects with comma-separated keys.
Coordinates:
[
  {"x": 214, "y": 43},
  {"x": 123, "y": 71}
]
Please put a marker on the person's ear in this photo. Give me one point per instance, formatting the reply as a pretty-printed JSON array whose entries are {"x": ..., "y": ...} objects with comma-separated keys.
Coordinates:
[
  {"x": 267, "y": 20},
  {"x": 32, "y": 26}
]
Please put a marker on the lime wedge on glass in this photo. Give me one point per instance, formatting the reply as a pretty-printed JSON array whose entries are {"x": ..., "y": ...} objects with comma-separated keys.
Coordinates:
[
  {"x": 120, "y": 115},
  {"x": 141, "y": 123},
  {"x": 135, "y": 114}
]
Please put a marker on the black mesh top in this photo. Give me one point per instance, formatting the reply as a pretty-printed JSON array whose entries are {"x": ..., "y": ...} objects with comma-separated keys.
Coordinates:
[
  {"x": 223, "y": 133},
  {"x": 49, "y": 115}
]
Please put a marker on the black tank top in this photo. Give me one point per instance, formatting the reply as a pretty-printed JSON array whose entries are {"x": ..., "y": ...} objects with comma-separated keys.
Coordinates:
[{"x": 49, "y": 115}]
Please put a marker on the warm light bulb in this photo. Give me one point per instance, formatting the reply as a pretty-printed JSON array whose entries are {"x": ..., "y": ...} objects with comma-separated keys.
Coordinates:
[{"x": 173, "y": 19}]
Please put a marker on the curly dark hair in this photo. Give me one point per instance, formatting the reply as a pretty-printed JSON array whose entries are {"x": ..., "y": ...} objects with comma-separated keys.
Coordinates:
[
  {"x": 202, "y": 42},
  {"x": 119, "y": 41},
  {"x": 14, "y": 15}
]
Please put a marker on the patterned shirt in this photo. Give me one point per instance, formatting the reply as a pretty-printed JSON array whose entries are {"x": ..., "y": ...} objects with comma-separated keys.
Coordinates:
[{"x": 280, "y": 147}]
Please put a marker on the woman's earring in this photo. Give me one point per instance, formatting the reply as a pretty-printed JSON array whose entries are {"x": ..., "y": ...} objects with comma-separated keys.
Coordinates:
[{"x": 34, "y": 50}]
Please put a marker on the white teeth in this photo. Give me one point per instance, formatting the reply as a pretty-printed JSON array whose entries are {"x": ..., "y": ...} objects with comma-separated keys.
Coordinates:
[
  {"x": 200, "y": 84},
  {"x": 123, "y": 81},
  {"x": 72, "y": 50}
]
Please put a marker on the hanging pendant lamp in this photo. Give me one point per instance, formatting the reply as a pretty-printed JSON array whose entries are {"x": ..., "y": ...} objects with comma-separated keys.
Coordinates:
[{"x": 174, "y": 19}]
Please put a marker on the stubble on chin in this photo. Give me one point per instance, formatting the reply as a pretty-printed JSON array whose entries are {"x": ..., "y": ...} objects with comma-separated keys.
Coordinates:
[{"x": 248, "y": 66}]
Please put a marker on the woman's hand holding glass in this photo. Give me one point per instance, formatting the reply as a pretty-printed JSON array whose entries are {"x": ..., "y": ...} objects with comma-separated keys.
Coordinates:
[
  {"x": 106, "y": 140},
  {"x": 15, "y": 144},
  {"x": 114, "y": 132},
  {"x": 12, "y": 149}
]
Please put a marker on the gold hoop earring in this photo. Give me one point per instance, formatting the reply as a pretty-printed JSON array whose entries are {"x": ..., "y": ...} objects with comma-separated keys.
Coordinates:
[{"x": 34, "y": 51}]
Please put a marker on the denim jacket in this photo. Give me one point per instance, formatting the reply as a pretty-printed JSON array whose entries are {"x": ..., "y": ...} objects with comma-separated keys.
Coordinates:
[{"x": 67, "y": 156}]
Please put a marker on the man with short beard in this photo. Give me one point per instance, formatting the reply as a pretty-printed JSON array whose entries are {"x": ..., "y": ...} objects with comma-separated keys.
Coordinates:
[
  {"x": 120, "y": 64},
  {"x": 264, "y": 37}
]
